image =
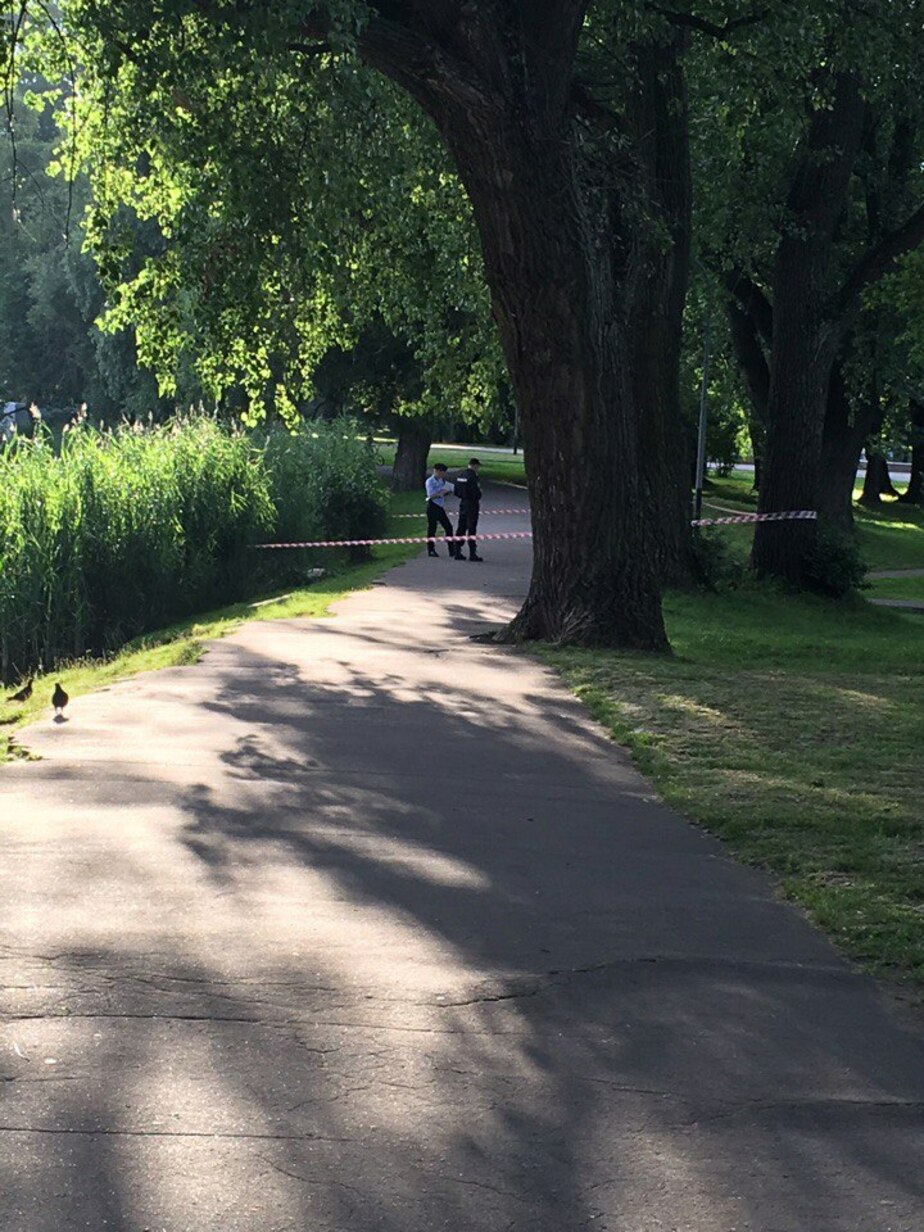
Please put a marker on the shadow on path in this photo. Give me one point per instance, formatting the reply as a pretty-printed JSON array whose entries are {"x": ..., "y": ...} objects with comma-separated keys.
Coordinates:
[{"x": 419, "y": 951}]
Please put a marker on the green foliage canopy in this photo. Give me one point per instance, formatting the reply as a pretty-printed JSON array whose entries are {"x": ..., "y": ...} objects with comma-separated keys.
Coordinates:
[{"x": 296, "y": 197}]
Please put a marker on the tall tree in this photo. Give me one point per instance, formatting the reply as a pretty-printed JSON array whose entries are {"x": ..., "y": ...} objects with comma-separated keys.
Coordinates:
[
  {"x": 323, "y": 213},
  {"x": 576, "y": 191},
  {"x": 51, "y": 350},
  {"x": 900, "y": 301},
  {"x": 824, "y": 196}
]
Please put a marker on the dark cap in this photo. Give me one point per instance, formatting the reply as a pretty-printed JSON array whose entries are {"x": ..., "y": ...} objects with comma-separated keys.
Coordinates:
[
  {"x": 440, "y": 466},
  {"x": 474, "y": 462}
]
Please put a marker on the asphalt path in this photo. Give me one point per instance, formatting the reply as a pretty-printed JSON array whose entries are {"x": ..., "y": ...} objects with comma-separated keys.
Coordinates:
[{"x": 360, "y": 925}]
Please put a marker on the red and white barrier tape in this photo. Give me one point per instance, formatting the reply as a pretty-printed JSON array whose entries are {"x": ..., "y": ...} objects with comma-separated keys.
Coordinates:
[
  {"x": 368, "y": 543},
  {"x": 790, "y": 515}
]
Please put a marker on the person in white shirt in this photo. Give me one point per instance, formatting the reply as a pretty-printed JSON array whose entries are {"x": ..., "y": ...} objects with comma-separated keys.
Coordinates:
[{"x": 438, "y": 488}]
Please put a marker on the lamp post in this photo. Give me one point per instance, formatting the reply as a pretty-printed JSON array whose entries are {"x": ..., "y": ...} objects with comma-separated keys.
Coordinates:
[{"x": 701, "y": 434}]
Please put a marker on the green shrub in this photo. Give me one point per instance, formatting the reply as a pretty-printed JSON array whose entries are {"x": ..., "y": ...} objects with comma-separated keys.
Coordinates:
[
  {"x": 723, "y": 438},
  {"x": 127, "y": 531},
  {"x": 716, "y": 566},
  {"x": 835, "y": 566},
  {"x": 325, "y": 484}
]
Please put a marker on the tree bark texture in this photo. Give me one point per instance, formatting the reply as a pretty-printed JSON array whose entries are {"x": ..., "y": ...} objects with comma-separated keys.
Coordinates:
[
  {"x": 560, "y": 211},
  {"x": 414, "y": 440},
  {"x": 563, "y": 303},
  {"x": 658, "y": 117},
  {"x": 914, "y": 493},
  {"x": 877, "y": 482},
  {"x": 846, "y": 430},
  {"x": 805, "y": 334},
  {"x": 748, "y": 344},
  {"x": 798, "y": 387}
]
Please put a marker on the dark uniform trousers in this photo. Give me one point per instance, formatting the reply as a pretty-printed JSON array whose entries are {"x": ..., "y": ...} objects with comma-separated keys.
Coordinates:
[
  {"x": 437, "y": 514},
  {"x": 468, "y": 523}
]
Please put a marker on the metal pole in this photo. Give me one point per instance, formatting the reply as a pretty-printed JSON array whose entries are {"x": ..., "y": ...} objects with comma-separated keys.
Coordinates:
[{"x": 701, "y": 436}]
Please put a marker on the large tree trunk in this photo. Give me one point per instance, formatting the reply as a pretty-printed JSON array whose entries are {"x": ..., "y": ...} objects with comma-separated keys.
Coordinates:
[
  {"x": 562, "y": 317},
  {"x": 751, "y": 359},
  {"x": 876, "y": 482},
  {"x": 847, "y": 429},
  {"x": 561, "y": 230},
  {"x": 562, "y": 298},
  {"x": 841, "y": 446},
  {"x": 806, "y": 334},
  {"x": 659, "y": 120},
  {"x": 914, "y": 493},
  {"x": 799, "y": 375},
  {"x": 414, "y": 440},
  {"x": 840, "y": 459}
]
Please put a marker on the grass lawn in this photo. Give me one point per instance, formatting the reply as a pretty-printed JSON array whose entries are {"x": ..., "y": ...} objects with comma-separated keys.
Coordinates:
[
  {"x": 183, "y": 642},
  {"x": 891, "y": 537},
  {"x": 897, "y": 588},
  {"x": 500, "y": 468},
  {"x": 791, "y": 728}
]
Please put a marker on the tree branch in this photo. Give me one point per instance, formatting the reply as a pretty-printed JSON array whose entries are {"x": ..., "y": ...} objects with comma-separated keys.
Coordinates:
[
  {"x": 690, "y": 21},
  {"x": 752, "y": 301},
  {"x": 310, "y": 49},
  {"x": 750, "y": 357},
  {"x": 428, "y": 72},
  {"x": 880, "y": 260},
  {"x": 456, "y": 53},
  {"x": 593, "y": 109}
]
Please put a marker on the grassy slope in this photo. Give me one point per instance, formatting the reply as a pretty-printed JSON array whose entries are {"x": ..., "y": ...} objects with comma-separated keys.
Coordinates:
[
  {"x": 890, "y": 538},
  {"x": 791, "y": 727},
  {"x": 898, "y": 588},
  {"x": 501, "y": 469},
  {"x": 182, "y": 643}
]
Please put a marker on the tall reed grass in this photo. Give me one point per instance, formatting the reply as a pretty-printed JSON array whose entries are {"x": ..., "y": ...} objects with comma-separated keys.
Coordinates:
[{"x": 126, "y": 531}]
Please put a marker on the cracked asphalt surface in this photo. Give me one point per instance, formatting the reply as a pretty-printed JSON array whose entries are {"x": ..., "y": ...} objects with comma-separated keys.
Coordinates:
[{"x": 361, "y": 925}]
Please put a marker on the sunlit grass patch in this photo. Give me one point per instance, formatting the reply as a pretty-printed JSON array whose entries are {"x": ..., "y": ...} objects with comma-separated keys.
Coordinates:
[
  {"x": 790, "y": 727},
  {"x": 897, "y": 588}
]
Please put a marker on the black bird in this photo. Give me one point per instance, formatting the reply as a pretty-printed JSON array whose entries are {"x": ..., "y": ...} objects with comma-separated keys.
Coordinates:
[
  {"x": 59, "y": 699},
  {"x": 24, "y": 693}
]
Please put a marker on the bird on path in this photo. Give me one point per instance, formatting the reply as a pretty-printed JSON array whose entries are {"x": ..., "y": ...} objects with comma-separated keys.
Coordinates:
[
  {"x": 59, "y": 699},
  {"x": 24, "y": 693}
]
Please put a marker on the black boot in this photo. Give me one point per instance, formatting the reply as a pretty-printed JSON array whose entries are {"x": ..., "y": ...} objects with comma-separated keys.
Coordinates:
[
  {"x": 475, "y": 556},
  {"x": 431, "y": 550}
]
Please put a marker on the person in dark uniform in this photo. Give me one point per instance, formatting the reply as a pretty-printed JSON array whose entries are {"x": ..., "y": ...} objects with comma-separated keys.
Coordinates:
[
  {"x": 469, "y": 507},
  {"x": 438, "y": 488}
]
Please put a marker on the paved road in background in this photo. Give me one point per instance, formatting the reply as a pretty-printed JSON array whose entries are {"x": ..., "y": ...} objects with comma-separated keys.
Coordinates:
[{"x": 361, "y": 926}]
